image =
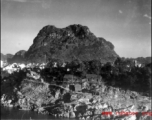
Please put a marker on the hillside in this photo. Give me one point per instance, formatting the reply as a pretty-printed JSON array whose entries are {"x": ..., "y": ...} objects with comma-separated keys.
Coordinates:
[
  {"x": 143, "y": 60},
  {"x": 19, "y": 57},
  {"x": 66, "y": 44},
  {"x": 6, "y": 57},
  {"x": 3, "y": 57}
]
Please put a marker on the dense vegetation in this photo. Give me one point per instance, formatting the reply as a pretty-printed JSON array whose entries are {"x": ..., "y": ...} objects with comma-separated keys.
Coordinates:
[
  {"x": 122, "y": 73},
  {"x": 74, "y": 41},
  {"x": 47, "y": 91}
]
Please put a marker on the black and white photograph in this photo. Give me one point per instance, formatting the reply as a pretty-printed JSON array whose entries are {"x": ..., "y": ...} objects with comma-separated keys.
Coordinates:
[{"x": 76, "y": 60}]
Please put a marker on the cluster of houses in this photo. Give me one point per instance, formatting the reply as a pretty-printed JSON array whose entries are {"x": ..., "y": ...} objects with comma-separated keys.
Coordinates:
[
  {"x": 90, "y": 82},
  {"x": 85, "y": 102},
  {"x": 72, "y": 82},
  {"x": 3, "y": 63},
  {"x": 16, "y": 67},
  {"x": 131, "y": 63}
]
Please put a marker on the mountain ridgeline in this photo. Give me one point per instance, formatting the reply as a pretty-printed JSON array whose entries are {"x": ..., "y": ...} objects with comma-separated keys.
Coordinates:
[
  {"x": 6, "y": 57},
  {"x": 19, "y": 57},
  {"x": 66, "y": 44}
]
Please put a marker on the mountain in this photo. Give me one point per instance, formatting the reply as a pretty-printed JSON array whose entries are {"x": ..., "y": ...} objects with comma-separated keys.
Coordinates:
[
  {"x": 9, "y": 56},
  {"x": 143, "y": 60},
  {"x": 3, "y": 57},
  {"x": 66, "y": 44},
  {"x": 19, "y": 57},
  {"x": 6, "y": 57}
]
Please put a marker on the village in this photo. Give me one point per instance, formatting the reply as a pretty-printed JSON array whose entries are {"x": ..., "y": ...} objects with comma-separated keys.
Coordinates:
[{"x": 62, "y": 90}]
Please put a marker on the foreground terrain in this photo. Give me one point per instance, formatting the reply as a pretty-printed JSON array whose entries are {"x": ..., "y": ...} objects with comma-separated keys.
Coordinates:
[{"x": 35, "y": 87}]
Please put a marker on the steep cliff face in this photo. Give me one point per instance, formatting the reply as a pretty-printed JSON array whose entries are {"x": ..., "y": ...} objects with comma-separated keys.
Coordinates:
[
  {"x": 19, "y": 57},
  {"x": 66, "y": 44}
]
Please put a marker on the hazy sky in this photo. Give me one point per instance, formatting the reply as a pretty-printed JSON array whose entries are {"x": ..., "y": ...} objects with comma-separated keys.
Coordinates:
[{"x": 125, "y": 23}]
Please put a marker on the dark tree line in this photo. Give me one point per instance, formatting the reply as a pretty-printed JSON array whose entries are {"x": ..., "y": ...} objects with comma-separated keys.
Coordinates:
[
  {"x": 116, "y": 74},
  {"x": 121, "y": 73}
]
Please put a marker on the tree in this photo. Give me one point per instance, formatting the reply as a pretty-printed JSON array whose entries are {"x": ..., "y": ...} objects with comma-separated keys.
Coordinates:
[
  {"x": 118, "y": 61},
  {"x": 95, "y": 67}
]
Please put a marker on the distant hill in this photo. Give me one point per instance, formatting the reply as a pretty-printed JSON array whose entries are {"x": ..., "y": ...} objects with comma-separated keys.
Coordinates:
[
  {"x": 143, "y": 60},
  {"x": 6, "y": 57},
  {"x": 9, "y": 56},
  {"x": 3, "y": 57},
  {"x": 19, "y": 57},
  {"x": 66, "y": 44}
]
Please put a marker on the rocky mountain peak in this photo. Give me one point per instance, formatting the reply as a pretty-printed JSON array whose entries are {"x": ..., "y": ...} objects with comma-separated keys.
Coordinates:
[
  {"x": 75, "y": 30},
  {"x": 74, "y": 41}
]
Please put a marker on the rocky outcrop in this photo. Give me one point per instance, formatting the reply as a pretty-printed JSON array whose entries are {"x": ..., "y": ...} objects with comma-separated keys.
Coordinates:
[
  {"x": 27, "y": 90},
  {"x": 72, "y": 42}
]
